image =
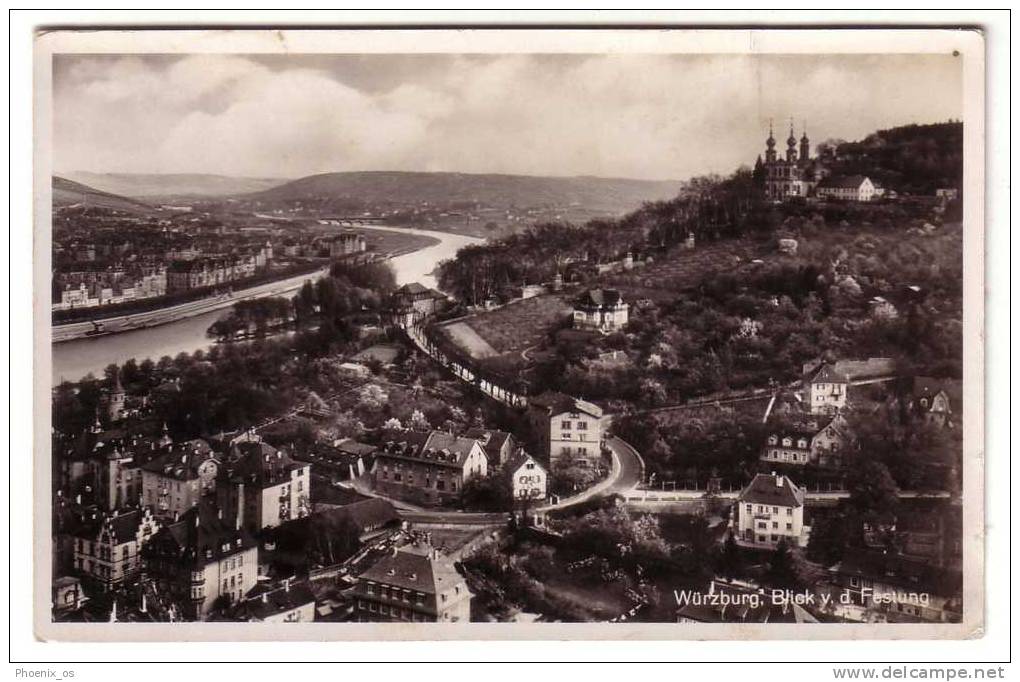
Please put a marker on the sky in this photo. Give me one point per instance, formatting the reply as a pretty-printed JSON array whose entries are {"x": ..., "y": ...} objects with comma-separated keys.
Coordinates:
[{"x": 610, "y": 115}]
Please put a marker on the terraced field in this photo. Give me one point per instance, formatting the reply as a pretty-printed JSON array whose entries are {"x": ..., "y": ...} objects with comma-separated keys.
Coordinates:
[
  {"x": 510, "y": 329},
  {"x": 681, "y": 269}
]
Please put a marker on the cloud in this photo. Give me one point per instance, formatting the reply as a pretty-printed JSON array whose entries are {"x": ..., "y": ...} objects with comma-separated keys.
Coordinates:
[{"x": 663, "y": 116}]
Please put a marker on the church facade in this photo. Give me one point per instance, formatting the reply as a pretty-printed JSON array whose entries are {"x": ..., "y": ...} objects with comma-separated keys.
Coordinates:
[{"x": 794, "y": 175}]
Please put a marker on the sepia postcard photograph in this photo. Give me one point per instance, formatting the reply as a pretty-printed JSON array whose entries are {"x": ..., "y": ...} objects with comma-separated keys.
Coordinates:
[{"x": 534, "y": 334}]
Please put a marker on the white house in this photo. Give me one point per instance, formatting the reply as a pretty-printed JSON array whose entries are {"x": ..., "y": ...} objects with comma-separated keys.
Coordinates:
[
  {"x": 846, "y": 188},
  {"x": 528, "y": 479},
  {"x": 601, "y": 310},
  {"x": 571, "y": 429},
  {"x": 826, "y": 390},
  {"x": 769, "y": 509}
]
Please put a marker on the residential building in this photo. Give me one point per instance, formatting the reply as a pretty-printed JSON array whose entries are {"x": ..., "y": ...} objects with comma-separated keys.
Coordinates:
[
  {"x": 819, "y": 441},
  {"x": 343, "y": 461},
  {"x": 414, "y": 302},
  {"x": 286, "y": 603},
  {"x": 826, "y": 390},
  {"x": 346, "y": 244},
  {"x": 527, "y": 478},
  {"x": 107, "y": 546},
  {"x": 846, "y": 188},
  {"x": 262, "y": 486},
  {"x": 570, "y": 429},
  {"x": 414, "y": 583},
  {"x": 882, "y": 308},
  {"x": 769, "y": 509},
  {"x": 176, "y": 481},
  {"x": 499, "y": 445},
  {"x": 427, "y": 468},
  {"x": 67, "y": 594},
  {"x": 601, "y": 310},
  {"x": 202, "y": 562},
  {"x": 893, "y": 588},
  {"x": 933, "y": 399}
]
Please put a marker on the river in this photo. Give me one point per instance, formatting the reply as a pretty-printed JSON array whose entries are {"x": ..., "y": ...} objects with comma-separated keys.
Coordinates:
[{"x": 72, "y": 360}]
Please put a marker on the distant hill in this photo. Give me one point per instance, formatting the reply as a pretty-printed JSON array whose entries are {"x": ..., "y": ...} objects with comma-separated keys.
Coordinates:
[
  {"x": 69, "y": 193},
  {"x": 171, "y": 185},
  {"x": 344, "y": 190},
  {"x": 917, "y": 159}
]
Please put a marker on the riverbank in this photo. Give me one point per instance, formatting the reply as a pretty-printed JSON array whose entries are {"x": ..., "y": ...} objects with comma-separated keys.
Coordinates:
[
  {"x": 161, "y": 316},
  {"x": 73, "y": 359},
  {"x": 387, "y": 243}
]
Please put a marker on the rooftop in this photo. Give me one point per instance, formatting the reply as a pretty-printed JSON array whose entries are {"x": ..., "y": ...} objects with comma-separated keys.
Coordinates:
[
  {"x": 770, "y": 489},
  {"x": 415, "y": 567}
]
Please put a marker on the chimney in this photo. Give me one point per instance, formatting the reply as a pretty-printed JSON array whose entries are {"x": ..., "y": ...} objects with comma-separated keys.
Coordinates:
[
  {"x": 286, "y": 585},
  {"x": 779, "y": 480},
  {"x": 239, "y": 516},
  {"x": 265, "y": 597},
  {"x": 144, "y": 608}
]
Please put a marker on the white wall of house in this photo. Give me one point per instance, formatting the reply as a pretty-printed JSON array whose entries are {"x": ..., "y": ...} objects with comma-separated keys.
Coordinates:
[
  {"x": 575, "y": 436},
  {"x": 765, "y": 525}
]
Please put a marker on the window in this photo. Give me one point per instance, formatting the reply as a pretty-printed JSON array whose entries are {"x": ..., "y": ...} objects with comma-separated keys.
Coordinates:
[
  {"x": 583, "y": 426},
  {"x": 565, "y": 426},
  {"x": 855, "y": 581},
  {"x": 775, "y": 510},
  {"x": 748, "y": 508},
  {"x": 775, "y": 524},
  {"x": 789, "y": 511},
  {"x": 789, "y": 526}
]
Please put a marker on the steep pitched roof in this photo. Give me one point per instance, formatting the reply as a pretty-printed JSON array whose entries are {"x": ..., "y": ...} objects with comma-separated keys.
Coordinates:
[
  {"x": 557, "y": 403},
  {"x": 413, "y": 289},
  {"x": 123, "y": 525},
  {"x": 843, "y": 181},
  {"x": 264, "y": 603},
  {"x": 493, "y": 441},
  {"x": 259, "y": 462},
  {"x": 200, "y": 537},
  {"x": 827, "y": 374},
  {"x": 414, "y": 567},
  {"x": 599, "y": 298},
  {"x": 435, "y": 447},
  {"x": 182, "y": 460},
  {"x": 772, "y": 490},
  {"x": 518, "y": 459}
]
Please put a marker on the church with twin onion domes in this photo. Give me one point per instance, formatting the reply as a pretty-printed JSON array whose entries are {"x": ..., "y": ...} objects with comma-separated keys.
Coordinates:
[{"x": 794, "y": 175}]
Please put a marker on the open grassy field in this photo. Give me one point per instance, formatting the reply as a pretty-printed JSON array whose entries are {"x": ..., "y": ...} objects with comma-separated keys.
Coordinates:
[
  {"x": 467, "y": 338},
  {"x": 516, "y": 326}
]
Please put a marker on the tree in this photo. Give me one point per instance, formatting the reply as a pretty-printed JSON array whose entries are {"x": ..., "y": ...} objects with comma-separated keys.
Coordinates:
[
  {"x": 873, "y": 492},
  {"x": 731, "y": 561},
  {"x": 783, "y": 570},
  {"x": 487, "y": 494}
]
